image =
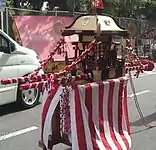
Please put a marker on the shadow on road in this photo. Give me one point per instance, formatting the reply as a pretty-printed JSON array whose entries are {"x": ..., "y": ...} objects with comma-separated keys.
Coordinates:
[
  {"x": 142, "y": 130},
  {"x": 150, "y": 118},
  {"x": 10, "y": 108}
]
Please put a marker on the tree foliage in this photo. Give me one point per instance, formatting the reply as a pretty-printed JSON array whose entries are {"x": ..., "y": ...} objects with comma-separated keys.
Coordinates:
[
  {"x": 124, "y": 8},
  {"x": 132, "y": 8},
  {"x": 149, "y": 9}
]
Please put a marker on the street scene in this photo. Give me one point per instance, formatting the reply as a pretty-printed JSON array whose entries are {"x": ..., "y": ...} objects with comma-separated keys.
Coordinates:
[
  {"x": 20, "y": 129},
  {"x": 77, "y": 75}
]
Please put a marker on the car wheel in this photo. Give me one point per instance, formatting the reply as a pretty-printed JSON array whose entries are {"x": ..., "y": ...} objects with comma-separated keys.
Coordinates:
[{"x": 28, "y": 98}]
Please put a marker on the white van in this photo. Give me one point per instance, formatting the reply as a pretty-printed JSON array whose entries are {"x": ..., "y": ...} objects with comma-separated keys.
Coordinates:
[{"x": 17, "y": 61}]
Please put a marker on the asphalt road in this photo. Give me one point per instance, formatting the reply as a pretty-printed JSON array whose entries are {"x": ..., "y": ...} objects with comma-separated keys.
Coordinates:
[{"x": 20, "y": 129}]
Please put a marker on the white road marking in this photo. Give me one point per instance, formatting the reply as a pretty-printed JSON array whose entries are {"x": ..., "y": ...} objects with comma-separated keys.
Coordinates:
[
  {"x": 16, "y": 133},
  {"x": 140, "y": 93},
  {"x": 146, "y": 73}
]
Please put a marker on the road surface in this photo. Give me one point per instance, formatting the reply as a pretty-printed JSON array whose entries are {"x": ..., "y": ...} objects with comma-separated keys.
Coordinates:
[{"x": 20, "y": 129}]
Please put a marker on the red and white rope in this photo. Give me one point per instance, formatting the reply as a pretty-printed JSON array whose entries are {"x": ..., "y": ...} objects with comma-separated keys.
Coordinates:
[
  {"x": 80, "y": 58},
  {"x": 46, "y": 76},
  {"x": 44, "y": 62},
  {"x": 32, "y": 78},
  {"x": 135, "y": 64},
  {"x": 138, "y": 65},
  {"x": 41, "y": 80},
  {"x": 136, "y": 68},
  {"x": 33, "y": 85},
  {"x": 63, "y": 81}
]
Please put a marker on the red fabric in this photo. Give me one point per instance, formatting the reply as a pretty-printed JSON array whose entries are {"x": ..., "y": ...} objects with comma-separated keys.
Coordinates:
[
  {"x": 105, "y": 126},
  {"x": 128, "y": 43},
  {"x": 150, "y": 65},
  {"x": 110, "y": 114},
  {"x": 42, "y": 33},
  {"x": 120, "y": 112},
  {"x": 99, "y": 115},
  {"x": 79, "y": 122},
  {"x": 46, "y": 106},
  {"x": 125, "y": 112},
  {"x": 89, "y": 106},
  {"x": 97, "y": 4}
]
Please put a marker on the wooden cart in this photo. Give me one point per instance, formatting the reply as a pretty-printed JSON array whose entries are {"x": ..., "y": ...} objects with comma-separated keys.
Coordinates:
[{"x": 105, "y": 60}]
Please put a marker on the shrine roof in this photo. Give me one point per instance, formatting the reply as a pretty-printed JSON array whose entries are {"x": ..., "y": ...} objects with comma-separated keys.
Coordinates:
[{"x": 93, "y": 24}]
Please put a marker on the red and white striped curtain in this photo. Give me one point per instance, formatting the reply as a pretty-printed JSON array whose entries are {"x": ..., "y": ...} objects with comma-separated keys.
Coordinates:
[
  {"x": 97, "y": 4},
  {"x": 98, "y": 115}
]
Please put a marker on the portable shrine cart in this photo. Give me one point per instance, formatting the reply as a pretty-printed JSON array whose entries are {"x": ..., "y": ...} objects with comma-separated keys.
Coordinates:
[
  {"x": 85, "y": 103},
  {"x": 99, "y": 55},
  {"x": 103, "y": 57}
]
